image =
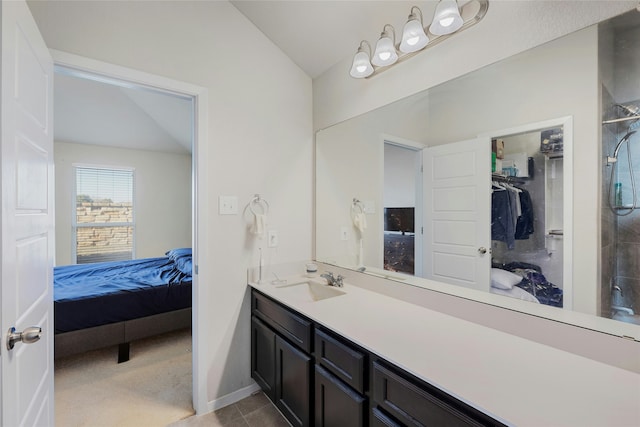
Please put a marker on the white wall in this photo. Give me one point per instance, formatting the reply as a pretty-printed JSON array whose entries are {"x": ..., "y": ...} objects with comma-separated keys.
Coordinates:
[
  {"x": 400, "y": 176},
  {"x": 260, "y": 141},
  {"x": 162, "y": 197}
]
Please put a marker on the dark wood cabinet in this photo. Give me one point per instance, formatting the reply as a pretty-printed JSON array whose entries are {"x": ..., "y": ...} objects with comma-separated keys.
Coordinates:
[
  {"x": 263, "y": 352},
  {"x": 336, "y": 404},
  {"x": 293, "y": 383},
  {"x": 317, "y": 377},
  {"x": 280, "y": 360}
]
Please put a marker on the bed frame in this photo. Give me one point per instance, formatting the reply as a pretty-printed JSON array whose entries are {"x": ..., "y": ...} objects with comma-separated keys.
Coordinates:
[{"x": 120, "y": 333}]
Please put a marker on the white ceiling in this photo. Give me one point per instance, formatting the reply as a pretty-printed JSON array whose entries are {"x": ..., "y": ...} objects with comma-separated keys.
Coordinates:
[
  {"x": 92, "y": 112},
  {"x": 316, "y": 35}
]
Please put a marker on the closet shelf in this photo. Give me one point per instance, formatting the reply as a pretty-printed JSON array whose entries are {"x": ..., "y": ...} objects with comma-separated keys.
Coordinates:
[{"x": 508, "y": 179}]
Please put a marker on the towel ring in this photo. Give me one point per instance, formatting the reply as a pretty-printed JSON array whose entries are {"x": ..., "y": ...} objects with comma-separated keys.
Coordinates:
[{"x": 258, "y": 203}]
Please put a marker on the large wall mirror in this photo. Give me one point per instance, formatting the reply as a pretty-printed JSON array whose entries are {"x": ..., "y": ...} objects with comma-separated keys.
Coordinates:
[{"x": 514, "y": 185}]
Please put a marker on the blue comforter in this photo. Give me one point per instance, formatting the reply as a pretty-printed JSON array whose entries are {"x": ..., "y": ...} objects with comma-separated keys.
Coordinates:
[
  {"x": 88, "y": 295},
  {"x": 82, "y": 280}
]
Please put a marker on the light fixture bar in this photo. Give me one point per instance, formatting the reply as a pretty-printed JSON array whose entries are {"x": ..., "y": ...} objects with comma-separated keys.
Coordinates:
[{"x": 482, "y": 5}]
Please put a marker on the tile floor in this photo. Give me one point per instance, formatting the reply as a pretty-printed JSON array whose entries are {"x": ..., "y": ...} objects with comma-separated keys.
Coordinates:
[{"x": 253, "y": 411}]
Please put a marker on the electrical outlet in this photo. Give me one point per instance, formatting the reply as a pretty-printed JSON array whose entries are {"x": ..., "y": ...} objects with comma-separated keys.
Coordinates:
[
  {"x": 344, "y": 233},
  {"x": 272, "y": 238}
]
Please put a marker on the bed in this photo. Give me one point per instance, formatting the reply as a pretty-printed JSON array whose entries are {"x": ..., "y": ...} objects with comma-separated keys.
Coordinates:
[
  {"x": 113, "y": 303},
  {"x": 526, "y": 282}
]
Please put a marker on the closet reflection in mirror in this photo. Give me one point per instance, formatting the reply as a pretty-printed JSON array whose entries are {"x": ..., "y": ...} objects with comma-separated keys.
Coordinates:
[
  {"x": 543, "y": 104},
  {"x": 527, "y": 230}
]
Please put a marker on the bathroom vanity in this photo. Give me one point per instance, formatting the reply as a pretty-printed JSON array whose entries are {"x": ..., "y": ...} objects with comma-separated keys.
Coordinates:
[
  {"x": 316, "y": 376},
  {"x": 353, "y": 357}
]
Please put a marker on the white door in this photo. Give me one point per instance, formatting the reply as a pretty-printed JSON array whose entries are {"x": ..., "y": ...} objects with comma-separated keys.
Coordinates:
[
  {"x": 457, "y": 232},
  {"x": 27, "y": 220}
]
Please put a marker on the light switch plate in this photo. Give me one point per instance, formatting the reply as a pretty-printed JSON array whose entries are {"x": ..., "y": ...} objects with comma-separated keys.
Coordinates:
[
  {"x": 369, "y": 207},
  {"x": 228, "y": 205}
]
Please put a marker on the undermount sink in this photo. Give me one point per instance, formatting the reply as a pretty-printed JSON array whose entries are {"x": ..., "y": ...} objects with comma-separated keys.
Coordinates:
[{"x": 310, "y": 291}]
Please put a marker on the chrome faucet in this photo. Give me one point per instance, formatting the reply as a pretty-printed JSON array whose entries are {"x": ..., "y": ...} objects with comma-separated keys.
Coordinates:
[
  {"x": 617, "y": 288},
  {"x": 333, "y": 280}
]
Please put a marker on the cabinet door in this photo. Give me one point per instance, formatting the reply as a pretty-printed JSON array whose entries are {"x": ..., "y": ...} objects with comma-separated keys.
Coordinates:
[
  {"x": 337, "y": 405},
  {"x": 293, "y": 383},
  {"x": 263, "y": 365}
]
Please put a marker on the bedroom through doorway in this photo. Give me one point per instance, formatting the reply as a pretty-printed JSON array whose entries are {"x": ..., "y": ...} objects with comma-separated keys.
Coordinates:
[{"x": 125, "y": 185}]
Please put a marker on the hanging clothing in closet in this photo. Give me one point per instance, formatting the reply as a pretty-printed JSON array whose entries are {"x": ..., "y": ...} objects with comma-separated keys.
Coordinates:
[{"x": 511, "y": 213}]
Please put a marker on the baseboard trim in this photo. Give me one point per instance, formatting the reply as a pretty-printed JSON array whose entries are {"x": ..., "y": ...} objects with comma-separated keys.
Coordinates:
[{"x": 232, "y": 398}]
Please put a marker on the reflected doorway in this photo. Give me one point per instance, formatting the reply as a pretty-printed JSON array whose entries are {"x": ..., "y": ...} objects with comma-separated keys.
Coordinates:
[{"x": 402, "y": 200}]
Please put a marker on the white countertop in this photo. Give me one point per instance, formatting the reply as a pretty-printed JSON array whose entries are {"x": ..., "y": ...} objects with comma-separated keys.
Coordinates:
[{"x": 514, "y": 380}]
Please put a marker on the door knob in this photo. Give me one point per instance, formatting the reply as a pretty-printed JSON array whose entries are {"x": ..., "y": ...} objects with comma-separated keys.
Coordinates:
[
  {"x": 28, "y": 336},
  {"x": 482, "y": 250}
]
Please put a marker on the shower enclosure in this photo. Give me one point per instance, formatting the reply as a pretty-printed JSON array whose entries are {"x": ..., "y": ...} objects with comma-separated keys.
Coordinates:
[{"x": 620, "y": 223}]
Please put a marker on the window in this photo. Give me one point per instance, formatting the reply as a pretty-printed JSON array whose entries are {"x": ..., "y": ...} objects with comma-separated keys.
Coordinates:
[{"x": 103, "y": 219}]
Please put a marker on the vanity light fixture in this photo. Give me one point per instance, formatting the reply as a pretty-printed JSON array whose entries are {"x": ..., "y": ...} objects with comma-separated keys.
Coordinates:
[
  {"x": 413, "y": 36},
  {"x": 361, "y": 66},
  {"x": 385, "y": 53},
  {"x": 448, "y": 19}
]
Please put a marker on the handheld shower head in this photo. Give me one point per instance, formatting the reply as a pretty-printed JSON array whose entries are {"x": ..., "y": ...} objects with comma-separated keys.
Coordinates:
[{"x": 624, "y": 139}]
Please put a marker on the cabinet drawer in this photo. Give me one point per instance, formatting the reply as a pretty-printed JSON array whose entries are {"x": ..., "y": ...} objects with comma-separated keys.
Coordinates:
[
  {"x": 414, "y": 405},
  {"x": 343, "y": 361},
  {"x": 380, "y": 419},
  {"x": 292, "y": 326}
]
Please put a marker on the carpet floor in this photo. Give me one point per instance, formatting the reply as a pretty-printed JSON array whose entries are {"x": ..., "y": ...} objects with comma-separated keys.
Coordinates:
[{"x": 152, "y": 389}]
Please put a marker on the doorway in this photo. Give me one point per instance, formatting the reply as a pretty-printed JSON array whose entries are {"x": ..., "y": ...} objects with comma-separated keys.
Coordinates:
[
  {"x": 402, "y": 202},
  {"x": 145, "y": 85},
  {"x": 536, "y": 159}
]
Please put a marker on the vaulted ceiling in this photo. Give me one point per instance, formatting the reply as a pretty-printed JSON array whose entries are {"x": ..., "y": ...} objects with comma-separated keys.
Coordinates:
[{"x": 314, "y": 34}]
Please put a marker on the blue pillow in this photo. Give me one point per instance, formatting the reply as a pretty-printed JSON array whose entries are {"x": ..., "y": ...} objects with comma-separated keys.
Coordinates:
[{"x": 182, "y": 259}]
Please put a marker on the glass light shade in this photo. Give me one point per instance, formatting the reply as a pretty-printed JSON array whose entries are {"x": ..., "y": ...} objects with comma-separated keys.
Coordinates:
[
  {"x": 361, "y": 66},
  {"x": 447, "y": 18},
  {"x": 385, "y": 53},
  {"x": 413, "y": 37}
]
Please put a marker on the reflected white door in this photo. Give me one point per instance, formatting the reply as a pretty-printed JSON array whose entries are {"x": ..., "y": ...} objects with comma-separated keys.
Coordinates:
[
  {"x": 458, "y": 213},
  {"x": 27, "y": 219}
]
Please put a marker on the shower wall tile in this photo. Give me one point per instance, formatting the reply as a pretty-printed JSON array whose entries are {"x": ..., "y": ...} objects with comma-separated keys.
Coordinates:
[
  {"x": 628, "y": 259},
  {"x": 608, "y": 221},
  {"x": 629, "y": 228},
  {"x": 607, "y": 272}
]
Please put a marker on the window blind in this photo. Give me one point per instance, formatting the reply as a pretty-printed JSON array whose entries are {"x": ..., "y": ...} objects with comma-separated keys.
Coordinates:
[{"x": 104, "y": 214}]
